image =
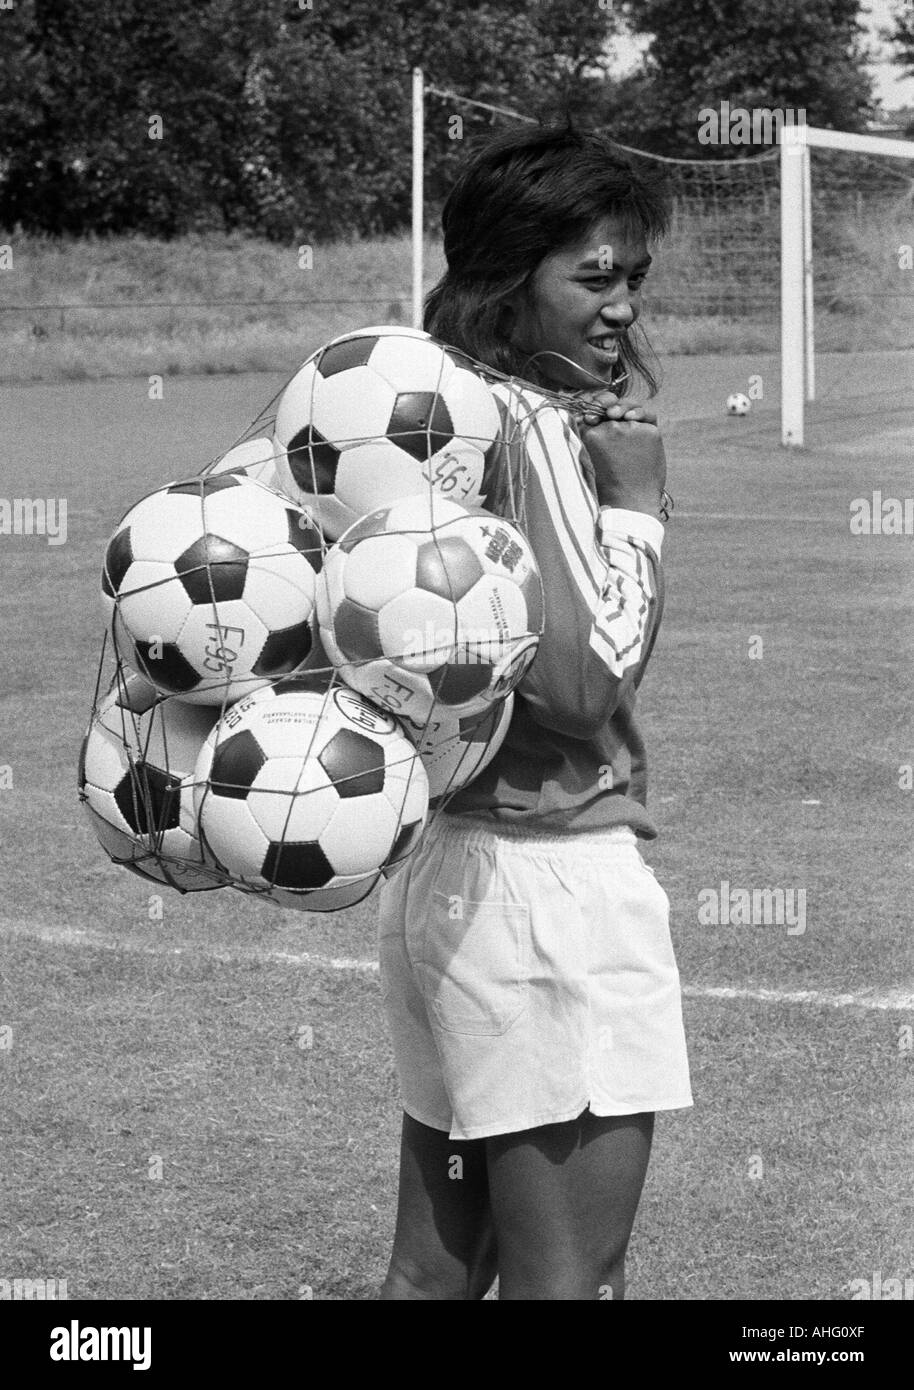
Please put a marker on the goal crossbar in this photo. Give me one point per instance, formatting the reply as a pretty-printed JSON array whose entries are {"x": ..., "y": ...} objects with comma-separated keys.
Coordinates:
[{"x": 839, "y": 140}]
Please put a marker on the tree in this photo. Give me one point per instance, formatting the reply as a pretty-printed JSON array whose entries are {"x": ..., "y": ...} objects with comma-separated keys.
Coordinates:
[
  {"x": 288, "y": 120},
  {"x": 352, "y": 115},
  {"x": 901, "y": 36},
  {"x": 789, "y": 54},
  {"x": 83, "y": 158}
]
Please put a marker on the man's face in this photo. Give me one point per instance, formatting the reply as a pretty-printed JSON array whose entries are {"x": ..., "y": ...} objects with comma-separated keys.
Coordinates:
[{"x": 581, "y": 299}]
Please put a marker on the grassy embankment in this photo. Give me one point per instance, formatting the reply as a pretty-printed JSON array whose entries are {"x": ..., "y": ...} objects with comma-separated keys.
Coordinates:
[{"x": 198, "y": 324}]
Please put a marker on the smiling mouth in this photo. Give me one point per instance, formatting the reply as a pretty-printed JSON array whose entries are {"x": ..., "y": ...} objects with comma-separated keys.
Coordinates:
[{"x": 608, "y": 344}]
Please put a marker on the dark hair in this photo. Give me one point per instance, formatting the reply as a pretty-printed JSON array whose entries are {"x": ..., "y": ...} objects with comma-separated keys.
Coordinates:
[{"x": 525, "y": 195}]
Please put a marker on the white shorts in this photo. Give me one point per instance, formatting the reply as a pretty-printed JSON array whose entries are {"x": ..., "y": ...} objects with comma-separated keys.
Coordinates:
[{"x": 526, "y": 977}]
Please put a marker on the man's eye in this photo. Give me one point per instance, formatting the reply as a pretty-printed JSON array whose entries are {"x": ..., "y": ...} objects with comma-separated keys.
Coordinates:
[{"x": 602, "y": 282}]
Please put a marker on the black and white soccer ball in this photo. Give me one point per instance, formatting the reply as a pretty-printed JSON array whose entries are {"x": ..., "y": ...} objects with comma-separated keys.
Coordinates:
[
  {"x": 428, "y": 608},
  {"x": 454, "y": 751},
  {"x": 309, "y": 794},
  {"x": 738, "y": 403},
  {"x": 252, "y": 458},
  {"x": 210, "y": 585},
  {"x": 136, "y": 782},
  {"x": 380, "y": 414}
]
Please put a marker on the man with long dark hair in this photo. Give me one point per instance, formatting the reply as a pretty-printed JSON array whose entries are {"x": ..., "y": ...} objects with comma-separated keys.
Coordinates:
[{"x": 527, "y": 969}]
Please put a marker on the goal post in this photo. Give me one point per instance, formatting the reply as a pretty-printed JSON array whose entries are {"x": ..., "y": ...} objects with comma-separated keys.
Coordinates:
[
  {"x": 794, "y": 173},
  {"x": 797, "y": 318}
]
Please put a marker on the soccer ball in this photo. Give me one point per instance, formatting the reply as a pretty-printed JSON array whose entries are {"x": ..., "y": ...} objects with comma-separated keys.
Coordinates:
[
  {"x": 136, "y": 782},
  {"x": 455, "y": 750},
  {"x": 210, "y": 584},
  {"x": 254, "y": 458},
  {"x": 738, "y": 404},
  {"x": 381, "y": 414},
  {"x": 309, "y": 794},
  {"x": 425, "y": 604}
]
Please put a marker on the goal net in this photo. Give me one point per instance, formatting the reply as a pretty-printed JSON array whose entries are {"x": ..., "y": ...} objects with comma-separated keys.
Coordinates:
[{"x": 801, "y": 248}]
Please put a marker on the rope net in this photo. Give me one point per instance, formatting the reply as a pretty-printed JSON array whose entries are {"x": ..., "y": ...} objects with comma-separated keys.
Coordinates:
[{"x": 313, "y": 644}]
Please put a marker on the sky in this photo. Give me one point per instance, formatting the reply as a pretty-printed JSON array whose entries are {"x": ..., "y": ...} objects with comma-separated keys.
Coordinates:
[{"x": 892, "y": 87}]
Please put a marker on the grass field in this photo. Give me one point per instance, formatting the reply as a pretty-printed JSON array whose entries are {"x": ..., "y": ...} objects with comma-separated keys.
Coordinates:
[{"x": 135, "y": 1041}]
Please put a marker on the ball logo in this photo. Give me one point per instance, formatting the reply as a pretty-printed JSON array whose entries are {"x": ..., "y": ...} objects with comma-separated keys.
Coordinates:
[
  {"x": 449, "y": 474},
  {"x": 237, "y": 712},
  {"x": 222, "y": 648},
  {"x": 501, "y": 627},
  {"x": 392, "y": 693},
  {"x": 502, "y": 548},
  {"x": 515, "y": 670},
  {"x": 364, "y": 715}
]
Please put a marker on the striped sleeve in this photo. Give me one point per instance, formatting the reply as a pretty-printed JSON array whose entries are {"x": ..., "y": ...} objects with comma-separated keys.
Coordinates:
[{"x": 601, "y": 575}]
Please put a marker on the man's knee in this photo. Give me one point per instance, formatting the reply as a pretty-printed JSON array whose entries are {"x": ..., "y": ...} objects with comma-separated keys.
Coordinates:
[
  {"x": 409, "y": 1280},
  {"x": 571, "y": 1278}
]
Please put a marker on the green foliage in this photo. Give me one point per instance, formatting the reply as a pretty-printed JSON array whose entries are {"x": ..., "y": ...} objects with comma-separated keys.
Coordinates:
[
  {"x": 287, "y": 121},
  {"x": 294, "y": 123},
  {"x": 799, "y": 54},
  {"x": 82, "y": 157}
]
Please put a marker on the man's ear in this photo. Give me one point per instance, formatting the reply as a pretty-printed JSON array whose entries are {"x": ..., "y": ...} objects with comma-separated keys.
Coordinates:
[{"x": 506, "y": 317}]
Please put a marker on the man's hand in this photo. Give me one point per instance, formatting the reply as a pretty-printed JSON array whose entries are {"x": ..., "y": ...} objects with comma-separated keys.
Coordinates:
[
  {"x": 628, "y": 461},
  {"x": 607, "y": 405}
]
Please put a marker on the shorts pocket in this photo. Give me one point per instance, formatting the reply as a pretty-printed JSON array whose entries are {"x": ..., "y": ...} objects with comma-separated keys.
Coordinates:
[
  {"x": 472, "y": 963},
  {"x": 658, "y": 886}
]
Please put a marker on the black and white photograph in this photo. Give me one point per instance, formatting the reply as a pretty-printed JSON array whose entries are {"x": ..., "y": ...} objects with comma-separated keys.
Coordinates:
[{"x": 456, "y": 667}]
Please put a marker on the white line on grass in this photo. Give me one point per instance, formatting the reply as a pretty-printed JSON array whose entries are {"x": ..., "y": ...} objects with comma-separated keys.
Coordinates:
[
  {"x": 900, "y": 999},
  {"x": 871, "y": 999},
  {"x": 747, "y": 516},
  {"x": 79, "y": 936}
]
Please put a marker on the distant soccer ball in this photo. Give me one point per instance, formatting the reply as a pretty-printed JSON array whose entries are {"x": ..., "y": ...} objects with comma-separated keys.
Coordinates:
[
  {"x": 381, "y": 414},
  {"x": 456, "y": 750},
  {"x": 136, "y": 783},
  {"x": 738, "y": 404},
  {"x": 254, "y": 458},
  {"x": 210, "y": 584},
  {"x": 310, "y": 794},
  {"x": 424, "y": 604}
]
